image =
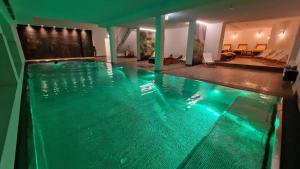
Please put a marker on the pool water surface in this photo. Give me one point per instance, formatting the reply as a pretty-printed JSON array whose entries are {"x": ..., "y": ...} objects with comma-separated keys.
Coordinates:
[{"x": 90, "y": 115}]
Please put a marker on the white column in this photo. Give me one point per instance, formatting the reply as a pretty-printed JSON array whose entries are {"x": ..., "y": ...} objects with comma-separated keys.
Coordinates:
[
  {"x": 159, "y": 42},
  {"x": 138, "y": 44},
  {"x": 190, "y": 43},
  {"x": 113, "y": 50}
]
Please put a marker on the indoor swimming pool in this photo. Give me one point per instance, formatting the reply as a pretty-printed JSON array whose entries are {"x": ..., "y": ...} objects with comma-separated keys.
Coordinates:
[{"x": 92, "y": 115}]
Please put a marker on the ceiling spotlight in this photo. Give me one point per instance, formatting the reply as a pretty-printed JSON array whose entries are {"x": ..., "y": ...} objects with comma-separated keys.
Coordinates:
[
  {"x": 201, "y": 22},
  {"x": 147, "y": 29}
]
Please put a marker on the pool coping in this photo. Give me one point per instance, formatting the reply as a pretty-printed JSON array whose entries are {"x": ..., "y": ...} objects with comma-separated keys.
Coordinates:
[
  {"x": 60, "y": 59},
  {"x": 276, "y": 153}
]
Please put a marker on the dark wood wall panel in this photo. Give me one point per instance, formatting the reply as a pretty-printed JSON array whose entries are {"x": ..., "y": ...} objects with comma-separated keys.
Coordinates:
[{"x": 47, "y": 42}]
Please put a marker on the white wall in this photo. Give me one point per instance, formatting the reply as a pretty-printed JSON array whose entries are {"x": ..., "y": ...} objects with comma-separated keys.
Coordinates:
[
  {"x": 130, "y": 42},
  {"x": 213, "y": 39},
  {"x": 284, "y": 43},
  {"x": 176, "y": 41},
  {"x": 295, "y": 60},
  {"x": 247, "y": 36}
]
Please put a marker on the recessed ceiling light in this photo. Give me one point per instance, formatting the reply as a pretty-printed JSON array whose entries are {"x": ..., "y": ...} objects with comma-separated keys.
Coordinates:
[
  {"x": 148, "y": 29},
  {"x": 201, "y": 22}
]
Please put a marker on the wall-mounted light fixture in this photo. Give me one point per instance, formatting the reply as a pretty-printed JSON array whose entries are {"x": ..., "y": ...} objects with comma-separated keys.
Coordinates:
[
  {"x": 259, "y": 34},
  {"x": 282, "y": 33},
  {"x": 201, "y": 22},
  {"x": 148, "y": 29},
  {"x": 234, "y": 36}
]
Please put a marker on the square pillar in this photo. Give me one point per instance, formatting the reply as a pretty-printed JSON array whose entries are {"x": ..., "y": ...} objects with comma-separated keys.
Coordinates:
[
  {"x": 190, "y": 43},
  {"x": 113, "y": 50},
  {"x": 159, "y": 42},
  {"x": 138, "y": 44}
]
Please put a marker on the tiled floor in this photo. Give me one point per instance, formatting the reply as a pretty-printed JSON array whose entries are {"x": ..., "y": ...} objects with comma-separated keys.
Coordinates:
[
  {"x": 253, "y": 80},
  {"x": 258, "y": 81}
]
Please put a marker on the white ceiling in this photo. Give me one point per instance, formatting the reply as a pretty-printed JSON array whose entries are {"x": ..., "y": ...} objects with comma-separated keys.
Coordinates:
[
  {"x": 141, "y": 12},
  {"x": 267, "y": 23},
  {"x": 229, "y": 11}
]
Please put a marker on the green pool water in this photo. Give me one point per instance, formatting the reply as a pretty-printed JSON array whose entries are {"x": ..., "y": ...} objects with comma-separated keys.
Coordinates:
[{"x": 90, "y": 115}]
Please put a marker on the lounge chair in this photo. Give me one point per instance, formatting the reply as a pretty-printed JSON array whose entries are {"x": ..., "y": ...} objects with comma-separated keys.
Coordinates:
[
  {"x": 226, "y": 48},
  {"x": 226, "y": 56},
  {"x": 241, "y": 49},
  {"x": 259, "y": 49},
  {"x": 173, "y": 59}
]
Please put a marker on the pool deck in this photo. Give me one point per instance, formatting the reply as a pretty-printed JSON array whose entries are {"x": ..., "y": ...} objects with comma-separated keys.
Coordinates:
[{"x": 265, "y": 82}]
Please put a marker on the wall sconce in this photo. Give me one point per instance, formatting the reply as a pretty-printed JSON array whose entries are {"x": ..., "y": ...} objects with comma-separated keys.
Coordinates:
[
  {"x": 234, "y": 36},
  {"x": 282, "y": 33},
  {"x": 259, "y": 34}
]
